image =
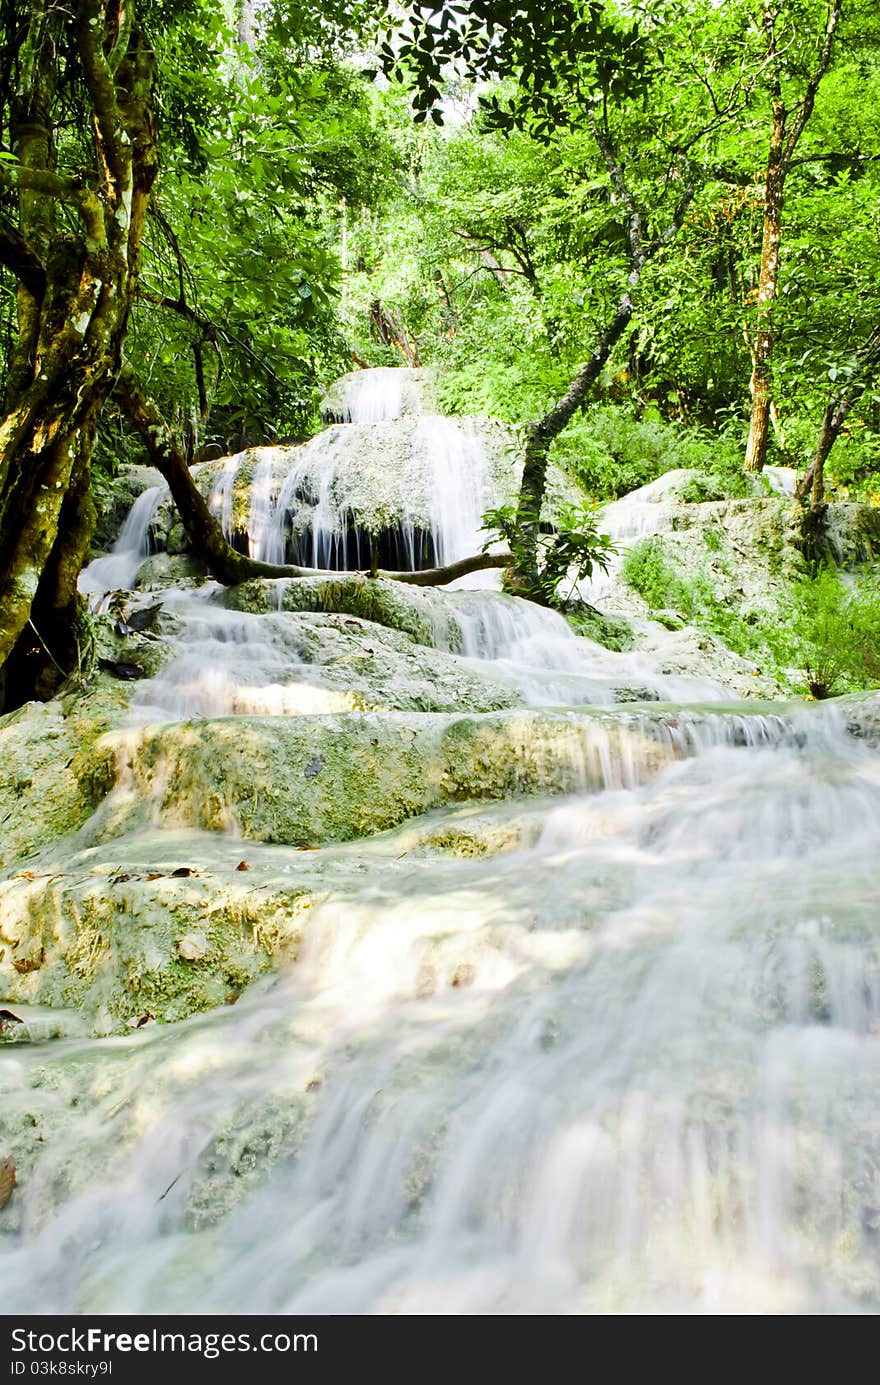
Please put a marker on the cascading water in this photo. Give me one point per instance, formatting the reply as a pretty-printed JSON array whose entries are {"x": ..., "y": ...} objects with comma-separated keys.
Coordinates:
[
  {"x": 118, "y": 570},
  {"x": 633, "y": 1069},
  {"x": 372, "y": 396},
  {"x": 444, "y": 488},
  {"x": 629, "y": 1065}
]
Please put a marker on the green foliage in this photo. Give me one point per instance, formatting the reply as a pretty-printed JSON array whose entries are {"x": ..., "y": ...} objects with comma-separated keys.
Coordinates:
[
  {"x": 542, "y": 204},
  {"x": 610, "y": 631},
  {"x": 649, "y": 573},
  {"x": 570, "y": 551},
  {"x": 251, "y": 242},
  {"x": 611, "y": 451},
  {"x": 831, "y": 633},
  {"x": 561, "y": 53},
  {"x": 822, "y": 637}
]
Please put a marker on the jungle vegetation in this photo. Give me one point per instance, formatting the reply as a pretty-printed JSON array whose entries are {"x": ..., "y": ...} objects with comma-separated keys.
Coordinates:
[{"x": 645, "y": 233}]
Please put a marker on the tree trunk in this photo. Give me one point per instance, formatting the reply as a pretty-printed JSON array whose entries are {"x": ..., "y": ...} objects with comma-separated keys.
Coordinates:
[
  {"x": 70, "y": 337},
  {"x": 761, "y": 386},
  {"x": 812, "y": 483},
  {"x": 783, "y": 142},
  {"x": 523, "y": 577},
  {"x": 867, "y": 359},
  {"x": 539, "y": 439}
]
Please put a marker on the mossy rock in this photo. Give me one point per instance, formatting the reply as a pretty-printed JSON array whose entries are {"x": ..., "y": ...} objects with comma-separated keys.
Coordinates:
[
  {"x": 423, "y": 613},
  {"x": 109, "y": 941},
  {"x": 55, "y": 768},
  {"x": 370, "y": 667},
  {"x": 312, "y": 780},
  {"x": 610, "y": 631}
]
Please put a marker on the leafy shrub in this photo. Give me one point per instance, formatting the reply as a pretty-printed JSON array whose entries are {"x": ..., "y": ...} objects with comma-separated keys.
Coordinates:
[
  {"x": 611, "y": 452},
  {"x": 823, "y": 637},
  {"x": 572, "y": 548},
  {"x": 831, "y": 632},
  {"x": 649, "y": 573}
]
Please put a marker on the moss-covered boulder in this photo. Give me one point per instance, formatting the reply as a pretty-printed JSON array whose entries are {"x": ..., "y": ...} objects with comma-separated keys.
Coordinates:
[
  {"x": 424, "y": 613},
  {"x": 307, "y": 781},
  {"x": 140, "y": 933},
  {"x": 55, "y": 768}
]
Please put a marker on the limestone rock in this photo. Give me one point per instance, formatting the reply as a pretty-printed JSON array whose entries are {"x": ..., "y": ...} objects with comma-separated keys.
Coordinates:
[
  {"x": 54, "y": 769},
  {"x": 369, "y": 396},
  {"x": 421, "y": 612}
]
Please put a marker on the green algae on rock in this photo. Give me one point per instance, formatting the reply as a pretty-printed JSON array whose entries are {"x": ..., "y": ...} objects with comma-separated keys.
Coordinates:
[
  {"x": 420, "y": 612},
  {"x": 54, "y": 769}
]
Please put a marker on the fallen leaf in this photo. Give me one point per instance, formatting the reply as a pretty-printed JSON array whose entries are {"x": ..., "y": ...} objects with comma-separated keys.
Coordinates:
[
  {"x": 7, "y": 1180},
  {"x": 242, "y": 865},
  {"x": 8, "y": 1021}
]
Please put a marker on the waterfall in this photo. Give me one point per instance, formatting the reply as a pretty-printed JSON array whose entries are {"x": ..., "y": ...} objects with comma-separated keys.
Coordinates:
[
  {"x": 632, "y": 1068},
  {"x": 599, "y": 1044},
  {"x": 419, "y": 485},
  {"x": 373, "y": 396},
  {"x": 118, "y": 570},
  {"x": 222, "y": 494}
]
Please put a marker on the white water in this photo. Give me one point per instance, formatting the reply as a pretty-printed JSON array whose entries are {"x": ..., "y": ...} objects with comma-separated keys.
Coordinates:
[
  {"x": 538, "y": 652},
  {"x": 372, "y": 396},
  {"x": 633, "y": 1068},
  {"x": 321, "y": 487},
  {"x": 118, "y": 570}
]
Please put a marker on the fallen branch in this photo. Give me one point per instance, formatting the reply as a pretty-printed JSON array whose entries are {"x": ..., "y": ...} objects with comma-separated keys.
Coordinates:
[{"x": 439, "y": 576}]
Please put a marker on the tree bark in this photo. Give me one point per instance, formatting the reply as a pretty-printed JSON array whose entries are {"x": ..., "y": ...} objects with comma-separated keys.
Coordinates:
[
  {"x": 71, "y": 334},
  {"x": 783, "y": 142},
  {"x": 761, "y": 384}
]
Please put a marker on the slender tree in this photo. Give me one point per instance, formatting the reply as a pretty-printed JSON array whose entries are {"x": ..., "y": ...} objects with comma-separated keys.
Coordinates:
[
  {"x": 583, "y": 65},
  {"x": 861, "y": 375},
  {"x": 780, "y": 21}
]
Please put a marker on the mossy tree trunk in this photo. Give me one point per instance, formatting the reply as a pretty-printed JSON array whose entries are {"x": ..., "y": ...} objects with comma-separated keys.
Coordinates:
[{"x": 76, "y": 254}]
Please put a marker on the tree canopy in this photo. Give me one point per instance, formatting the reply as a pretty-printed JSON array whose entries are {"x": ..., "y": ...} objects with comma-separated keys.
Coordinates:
[{"x": 642, "y": 232}]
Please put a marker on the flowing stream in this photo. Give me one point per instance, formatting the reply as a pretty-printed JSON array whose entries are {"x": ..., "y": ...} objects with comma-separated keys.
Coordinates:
[{"x": 630, "y": 1066}]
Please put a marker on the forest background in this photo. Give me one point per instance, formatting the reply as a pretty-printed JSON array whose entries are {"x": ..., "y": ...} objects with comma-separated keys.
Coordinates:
[{"x": 645, "y": 234}]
